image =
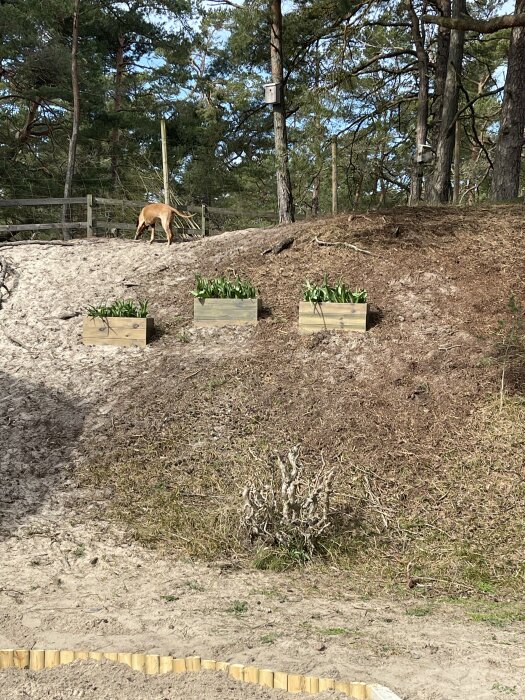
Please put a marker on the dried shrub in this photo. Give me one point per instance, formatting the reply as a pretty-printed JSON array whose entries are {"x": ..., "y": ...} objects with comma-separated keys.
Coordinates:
[{"x": 295, "y": 515}]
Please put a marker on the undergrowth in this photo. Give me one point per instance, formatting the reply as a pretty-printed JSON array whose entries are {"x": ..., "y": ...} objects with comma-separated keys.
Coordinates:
[{"x": 462, "y": 534}]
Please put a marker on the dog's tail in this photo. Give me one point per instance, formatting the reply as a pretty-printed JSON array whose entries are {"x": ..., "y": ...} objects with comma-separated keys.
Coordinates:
[{"x": 184, "y": 216}]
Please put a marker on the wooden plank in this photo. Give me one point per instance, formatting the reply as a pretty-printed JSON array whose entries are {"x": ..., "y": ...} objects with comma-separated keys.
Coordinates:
[
  {"x": 110, "y": 655},
  {"x": 121, "y": 202},
  {"x": 209, "y": 664},
  {"x": 117, "y": 331},
  {"x": 222, "y": 312},
  {"x": 124, "y": 659},
  {"x": 246, "y": 213},
  {"x": 223, "y": 666},
  {"x": 330, "y": 316},
  {"x": 95, "y": 655},
  {"x": 13, "y": 228},
  {"x": 50, "y": 201},
  {"x": 81, "y": 655}
]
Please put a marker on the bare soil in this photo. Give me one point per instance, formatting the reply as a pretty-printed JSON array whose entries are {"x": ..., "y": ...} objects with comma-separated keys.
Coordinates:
[{"x": 105, "y": 450}]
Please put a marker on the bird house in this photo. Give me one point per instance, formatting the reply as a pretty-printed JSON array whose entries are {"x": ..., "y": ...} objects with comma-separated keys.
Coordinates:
[
  {"x": 425, "y": 154},
  {"x": 272, "y": 93}
]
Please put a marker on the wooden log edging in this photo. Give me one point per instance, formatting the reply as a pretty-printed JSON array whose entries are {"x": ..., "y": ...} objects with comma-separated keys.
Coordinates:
[{"x": 152, "y": 664}]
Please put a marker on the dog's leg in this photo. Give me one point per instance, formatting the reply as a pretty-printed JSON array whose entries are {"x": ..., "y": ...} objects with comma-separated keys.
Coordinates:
[
  {"x": 166, "y": 225},
  {"x": 139, "y": 231},
  {"x": 152, "y": 229}
]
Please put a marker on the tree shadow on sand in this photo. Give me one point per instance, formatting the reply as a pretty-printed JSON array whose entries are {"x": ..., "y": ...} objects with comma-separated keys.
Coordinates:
[{"x": 39, "y": 427}]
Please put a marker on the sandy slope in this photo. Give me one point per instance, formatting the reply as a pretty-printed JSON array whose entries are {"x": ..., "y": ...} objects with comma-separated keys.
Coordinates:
[{"x": 69, "y": 579}]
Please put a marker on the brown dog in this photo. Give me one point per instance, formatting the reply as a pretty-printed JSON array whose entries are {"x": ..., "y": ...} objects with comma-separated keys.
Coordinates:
[{"x": 164, "y": 213}]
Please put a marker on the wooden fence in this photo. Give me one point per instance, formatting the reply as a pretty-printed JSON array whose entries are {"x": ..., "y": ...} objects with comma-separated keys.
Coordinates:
[{"x": 92, "y": 204}]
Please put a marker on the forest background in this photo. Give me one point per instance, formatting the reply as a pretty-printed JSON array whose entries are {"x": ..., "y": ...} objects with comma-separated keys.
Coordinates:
[{"x": 420, "y": 112}]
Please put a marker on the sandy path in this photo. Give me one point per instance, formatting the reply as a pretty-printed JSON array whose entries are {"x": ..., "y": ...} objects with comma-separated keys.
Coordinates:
[{"x": 69, "y": 580}]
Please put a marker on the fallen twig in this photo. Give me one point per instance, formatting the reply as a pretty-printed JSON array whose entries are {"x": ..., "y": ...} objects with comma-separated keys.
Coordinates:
[
  {"x": 8, "y": 244},
  {"x": 4, "y": 269},
  {"x": 343, "y": 244}
]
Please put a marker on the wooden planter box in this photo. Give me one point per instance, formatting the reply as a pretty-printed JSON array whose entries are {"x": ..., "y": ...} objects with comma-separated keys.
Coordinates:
[
  {"x": 117, "y": 330},
  {"x": 329, "y": 316},
  {"x": 225, "y": 312}
]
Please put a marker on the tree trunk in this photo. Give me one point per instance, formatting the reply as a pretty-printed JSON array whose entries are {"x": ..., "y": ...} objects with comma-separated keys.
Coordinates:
[
  {"x": 509, "y": 146},
  {"x": 284, "y": 183},
  {"x": 117, "y": 105},
  {"x": 440, "y": 71},
  {"x": 440, "y": 184},
  {"x": 418, "y": 37},
  {"x": 76, "y": 118}
]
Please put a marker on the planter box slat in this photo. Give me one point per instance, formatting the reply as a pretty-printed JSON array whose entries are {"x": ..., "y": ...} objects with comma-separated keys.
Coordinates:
[
  {"x": 223, "y": 312},
  {"x": 117, "y": 331},
  {"x": 332, "y": 316}
]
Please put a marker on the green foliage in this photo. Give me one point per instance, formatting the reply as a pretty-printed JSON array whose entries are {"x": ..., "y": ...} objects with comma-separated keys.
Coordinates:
[
  {"x": 127, "y": 308},
  {"x": 338, "y": 293},
  {"x": 223, "y": 288}
]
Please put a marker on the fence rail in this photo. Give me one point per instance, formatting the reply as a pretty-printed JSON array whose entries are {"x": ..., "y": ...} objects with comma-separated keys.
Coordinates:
[{"x": 91, "y": 224}]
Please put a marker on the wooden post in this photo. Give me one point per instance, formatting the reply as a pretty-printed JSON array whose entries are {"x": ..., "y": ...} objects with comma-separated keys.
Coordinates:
[
  {"x": 51, "y": 658},
  {"x": 311, "y": 684},
  {"x": 6, "y": 658},
  {"x": 266, "y": 678},
  {"x": 358, "y": 690},
  {"x": 203, "y": 219},
  {"x": 179, "y": 665},
  {"x": 209, "y": 664},
  {"x": 36, "y": 659},
  {"x": 280, "y": 680},
  {"x": 223, "y": 666},
  {"x": 165, "y": 664},
  {"x": 152, "y": 664},
  {"x": 236, "y": 671},
  {"x": 295, "y": 683},
  {"x": 66, "y": 656},
  {"x": 193, "y": 663},
  {"x": 165, "y": 161},
  {"x": 21, "y": 658},
  {"x": 326, "y": 684},
  {"x": 124, "y": 659},
  {"x": 251, "y": 674},
  {"x": 138, "y": 662},
  {"x": 89, "y": 215},
  {"x": 81, "y": 655},
  {"x": 95, "y": 655},
  {"x": 334, "y": 174},
  {"x": 111, "y": 655}
]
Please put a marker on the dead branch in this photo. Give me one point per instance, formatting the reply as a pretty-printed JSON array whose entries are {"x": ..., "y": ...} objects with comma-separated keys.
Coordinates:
[
  {"x": 8, "y": 244},
  {"x": 279, "y": 247},
  {"x": 5, "y": 269},
  {"x": 343, "y": 244},
  {"x": 295, "y": 515}
]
